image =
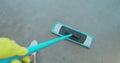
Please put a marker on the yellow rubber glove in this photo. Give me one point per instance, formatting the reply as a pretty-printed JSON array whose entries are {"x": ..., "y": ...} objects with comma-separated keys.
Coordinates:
[{"x": 9, "y": 48}]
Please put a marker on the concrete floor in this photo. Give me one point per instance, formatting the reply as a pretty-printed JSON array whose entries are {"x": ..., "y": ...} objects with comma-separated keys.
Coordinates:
[{"x": 26, "y": 20}]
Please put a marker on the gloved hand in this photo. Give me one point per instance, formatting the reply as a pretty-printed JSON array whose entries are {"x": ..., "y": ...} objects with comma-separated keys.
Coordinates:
[{"x": 9, "y": 48}]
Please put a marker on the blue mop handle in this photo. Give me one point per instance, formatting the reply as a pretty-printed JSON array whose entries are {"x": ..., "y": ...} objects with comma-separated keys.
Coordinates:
[{"x": 35, "y": 48}]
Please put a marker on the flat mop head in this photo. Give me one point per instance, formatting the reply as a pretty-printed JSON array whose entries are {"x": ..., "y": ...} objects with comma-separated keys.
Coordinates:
[{"x": 78, "y": 37}]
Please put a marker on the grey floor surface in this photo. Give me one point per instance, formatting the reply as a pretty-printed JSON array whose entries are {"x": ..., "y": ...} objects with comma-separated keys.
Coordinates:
[{"x": 26, "y": 20}]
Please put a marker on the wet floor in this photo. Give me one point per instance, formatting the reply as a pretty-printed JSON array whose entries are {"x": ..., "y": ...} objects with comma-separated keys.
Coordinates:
[{"x": 26, "y": 20}]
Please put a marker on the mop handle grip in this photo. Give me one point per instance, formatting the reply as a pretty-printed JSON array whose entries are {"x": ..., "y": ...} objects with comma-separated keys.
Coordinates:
[{"x": 35, "y": 48}]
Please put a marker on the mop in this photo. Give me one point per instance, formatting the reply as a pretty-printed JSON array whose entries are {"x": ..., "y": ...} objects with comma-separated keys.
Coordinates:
[{"x": 65, "y": 32}]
